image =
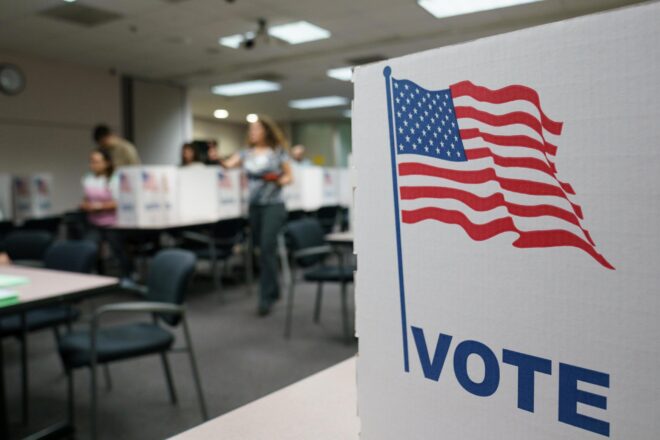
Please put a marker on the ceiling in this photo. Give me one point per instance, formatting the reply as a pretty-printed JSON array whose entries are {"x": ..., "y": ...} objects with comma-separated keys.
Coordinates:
[{"x": 177, "y": 41}]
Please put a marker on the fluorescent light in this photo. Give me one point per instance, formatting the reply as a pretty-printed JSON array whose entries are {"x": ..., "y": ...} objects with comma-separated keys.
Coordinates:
[
  {"x": 221, "y": 113},
  {"x": 449, "y": 8},
  {"x": 341, "y": 73},
  {"x": 252, "y": 117},
  {"x": 299, "y": 32},
  {"x": 69, "y": 1},
  {"x": 321, "y": 101},
  {"x": 246, "y": 88}
]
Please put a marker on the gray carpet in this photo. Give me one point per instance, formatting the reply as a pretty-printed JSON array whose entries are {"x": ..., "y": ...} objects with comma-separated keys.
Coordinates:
[{"x": 242, "y": 357}]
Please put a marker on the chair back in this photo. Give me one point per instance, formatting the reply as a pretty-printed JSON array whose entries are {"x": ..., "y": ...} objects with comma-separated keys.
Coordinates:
[
  {"x": 306, "y": 233},
  {"x": 169, "y": 275},
  {"x": 27, "y": 244},
  {"x": 72, "y": 256},
  {"x": 229, "y": 232}
]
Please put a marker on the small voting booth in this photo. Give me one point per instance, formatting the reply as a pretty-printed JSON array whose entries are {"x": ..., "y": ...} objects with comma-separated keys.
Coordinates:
[
  {"x": 147, "y": 195},
  {"x": 507, "y": 197},
  {"x": 32, "y": 196}
]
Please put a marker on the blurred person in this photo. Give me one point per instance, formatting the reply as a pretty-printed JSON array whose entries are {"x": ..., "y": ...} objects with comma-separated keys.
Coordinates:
[
  {"x": 101, "y": 193},
  {"x": 213, "y": 153},
  {"x": 189, "y": 155},
  {"x": 122, "y": 151},
  {"x": 266, "y": 164},
  {"x": 101, "y": 190},
  {"x": 298, "y": 155},
  {"x": 4, "y": 259}
]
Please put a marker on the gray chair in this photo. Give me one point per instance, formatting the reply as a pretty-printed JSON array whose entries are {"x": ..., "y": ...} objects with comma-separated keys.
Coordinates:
[
  {"x": 167, "y": 281},
  {"x": 308, "y": 251},
  {"x": 27, "y": 247},
  {"x": 70, "y": 256}
]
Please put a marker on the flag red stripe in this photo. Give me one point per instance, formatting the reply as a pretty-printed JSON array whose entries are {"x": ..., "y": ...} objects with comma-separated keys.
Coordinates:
[
  {"x": 480, "y": 232},
  {"x": 485, "y": 175},
  {"x": 491, "y": 202},
  {"x": 500, "y": 120},
  {"x": 509, "y": 141},
  {"x": 505, "y": 94},
  {"x": 518, "y": 162}
]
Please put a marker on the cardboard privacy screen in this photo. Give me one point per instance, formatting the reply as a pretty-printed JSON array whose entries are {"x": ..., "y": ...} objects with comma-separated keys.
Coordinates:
[{"x": 507, "y": 200}]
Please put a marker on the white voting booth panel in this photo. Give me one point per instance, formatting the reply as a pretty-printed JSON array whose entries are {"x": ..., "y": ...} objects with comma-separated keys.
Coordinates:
[
  {"x": 6, "y": 199},
  {"x": 147, "y": 195},
  {"x": 32, "y": 195},
  {"x": 198, "y": 193},
  {"x": 508, "y": 191},
  {"x": 228, "y": 193}
]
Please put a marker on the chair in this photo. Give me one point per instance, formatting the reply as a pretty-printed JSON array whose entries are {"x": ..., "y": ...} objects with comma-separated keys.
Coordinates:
[
  {"x": 27, "y": 247},
  {"x": 167, "y": 281},
  {"x": 49, "y": 224},
  {"x": 218, "y": 246},
  {"x": 329, "y": 218},
  {"x": 308, "y": 251},
  {"x": 70, "y": 256}
]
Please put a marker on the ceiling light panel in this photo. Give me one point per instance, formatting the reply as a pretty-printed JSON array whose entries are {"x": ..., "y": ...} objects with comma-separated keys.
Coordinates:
[
  {"x": 450, "y": 8},
  {"x": 246, "y": 88},
  {"x": 299, "y": 32},
  {"x": 320, "y": 102},
  {"x": 341, "y": 73}
]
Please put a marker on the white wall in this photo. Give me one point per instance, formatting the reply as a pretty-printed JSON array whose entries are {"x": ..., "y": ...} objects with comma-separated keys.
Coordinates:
[
  {"x": 231, "y": 136},
  {"x": 161, "y": 121},
  {"x": 48, "y": 126}
]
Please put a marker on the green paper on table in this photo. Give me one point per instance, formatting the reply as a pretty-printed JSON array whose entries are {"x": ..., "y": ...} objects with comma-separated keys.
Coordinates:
[
  {"x": 8, "y": 297},
  {"x": 12, "y": 280}
]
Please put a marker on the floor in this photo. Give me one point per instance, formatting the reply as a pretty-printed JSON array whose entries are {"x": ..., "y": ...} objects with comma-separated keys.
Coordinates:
[{"x": 242, "y": 357}]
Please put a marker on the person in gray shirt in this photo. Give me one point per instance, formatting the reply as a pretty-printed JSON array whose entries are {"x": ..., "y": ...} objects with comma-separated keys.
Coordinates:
[{"x": 266, "y": 165}]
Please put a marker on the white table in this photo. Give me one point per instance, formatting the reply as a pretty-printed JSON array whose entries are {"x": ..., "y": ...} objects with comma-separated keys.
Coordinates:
[
  {"x": 46, "y": 287},
  {"x": 320, "y": 407}
]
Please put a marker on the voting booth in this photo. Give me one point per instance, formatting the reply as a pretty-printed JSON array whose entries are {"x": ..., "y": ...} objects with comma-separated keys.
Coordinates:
[
  {"x": 32, "y": 196},
  {"x": 147, "y": 195},
  {"x": 507, "y": 197},
  {"x": 228, "y": 193}
]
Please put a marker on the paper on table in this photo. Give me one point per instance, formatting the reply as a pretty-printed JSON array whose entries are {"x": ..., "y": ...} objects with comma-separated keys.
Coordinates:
[
  {"x": 8, "y": 297},
  {"x": 11, "y": 280}
]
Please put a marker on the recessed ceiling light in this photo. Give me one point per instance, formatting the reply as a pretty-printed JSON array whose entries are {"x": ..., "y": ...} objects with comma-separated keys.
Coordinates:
[
  {"x": 322, "y": 101},
  {"x": 246, "y": 88},
  {"x": 221, "y": 113},
  {"x": 341, "y": 73},
  {"x": 299, "y": 32},
  {"x": 69, "y": 1},
  {"x": 449, "y": 8},
  {"x": 252, "y": 117}
]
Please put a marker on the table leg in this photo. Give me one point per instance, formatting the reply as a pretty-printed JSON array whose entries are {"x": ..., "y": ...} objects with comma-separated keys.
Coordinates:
[{"x": 4, "y": 422}]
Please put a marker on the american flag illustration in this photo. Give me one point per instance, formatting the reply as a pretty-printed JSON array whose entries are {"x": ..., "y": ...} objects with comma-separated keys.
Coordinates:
[
  {"x": 483, "y": 159},
  {"x": 124, "y": 183},
  {"x": 224, "y": 181},
  {"x": 149, "y": 182}
]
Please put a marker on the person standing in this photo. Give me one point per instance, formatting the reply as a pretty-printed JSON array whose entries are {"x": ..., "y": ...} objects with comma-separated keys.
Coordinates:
[
  {"x": 266, "y": 164},
  {"x": 122, "y": 151}
]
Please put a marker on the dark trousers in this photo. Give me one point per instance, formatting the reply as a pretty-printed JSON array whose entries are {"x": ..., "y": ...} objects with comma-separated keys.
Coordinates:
[{"x": 266, "y": 221}]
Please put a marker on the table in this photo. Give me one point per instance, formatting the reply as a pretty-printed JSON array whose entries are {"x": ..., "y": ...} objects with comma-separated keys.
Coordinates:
[
  {"x": 320, "y": 407},
  {"x": 46, "y": 287}
]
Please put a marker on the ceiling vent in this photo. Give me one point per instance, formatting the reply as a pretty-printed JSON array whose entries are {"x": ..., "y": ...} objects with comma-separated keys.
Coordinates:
[
  {"x": 80, "y": 14},
  {"x": 368, "y": 59}
]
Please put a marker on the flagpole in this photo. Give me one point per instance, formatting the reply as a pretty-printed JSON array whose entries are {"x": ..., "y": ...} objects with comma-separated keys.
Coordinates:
[{"x": 395, "y": 187}]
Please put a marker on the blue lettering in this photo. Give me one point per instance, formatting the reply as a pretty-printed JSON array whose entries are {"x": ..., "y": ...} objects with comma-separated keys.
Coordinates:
[
  {"x": 570, "y": 396},
  {"x": 432, "y": 369},
  {"x": 491, "y": 380},
  {"x": 527, "y": 366}
]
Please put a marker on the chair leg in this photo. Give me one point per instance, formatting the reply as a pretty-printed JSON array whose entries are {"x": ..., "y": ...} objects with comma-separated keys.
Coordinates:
[
  {"x": 193, "y": 365},
  {"x": 93, "y": 402},
  {"x": 317, "y": 305},
  {"x": 107, "y": 377},
  {"x": 168, "y": 378},
  {"x": 344, "y": 312},
  {"x": 25, "y": 388},
  {"x": 289, "y": 309},
  {"x": 70, "y": 397}
]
